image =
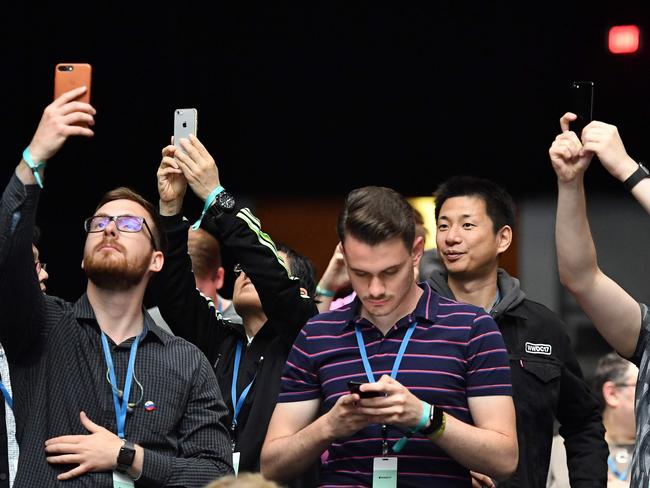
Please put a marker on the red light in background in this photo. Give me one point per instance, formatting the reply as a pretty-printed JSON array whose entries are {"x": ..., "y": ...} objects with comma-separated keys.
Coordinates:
[{"x": 623, "y": 39}]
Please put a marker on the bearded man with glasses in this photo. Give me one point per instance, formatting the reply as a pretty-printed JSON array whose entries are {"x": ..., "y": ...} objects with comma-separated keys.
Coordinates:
[{"x": 102, "y": 396}]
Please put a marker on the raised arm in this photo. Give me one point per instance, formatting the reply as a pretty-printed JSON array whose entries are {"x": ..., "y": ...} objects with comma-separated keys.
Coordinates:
[
  {"x": 240, "y": 231},
  {"x": 22, "y": 299},
  {"x": 334, "y": 278},
  {"x": 189, "y": 314},
  {"x": 613, "y": 311}
]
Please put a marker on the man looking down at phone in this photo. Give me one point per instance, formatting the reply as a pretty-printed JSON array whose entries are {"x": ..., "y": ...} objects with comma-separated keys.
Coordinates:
[
  {"x": 475, "y": 219},
  {"x": 103, "y": 397},
  {"x": 440, "y": 368},
  {"x": 622, "y": 321},
  {"x": 272, "y": 293}
]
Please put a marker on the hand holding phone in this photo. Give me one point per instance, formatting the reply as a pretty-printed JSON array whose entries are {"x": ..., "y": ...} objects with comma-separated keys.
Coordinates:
[
  {"x": 185, "y": 123},
  {"x": 582, "y": 104},
  {"x": 353, "y": 386}
]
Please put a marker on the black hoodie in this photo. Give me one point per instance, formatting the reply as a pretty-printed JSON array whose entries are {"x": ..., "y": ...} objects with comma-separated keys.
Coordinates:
[{"x": 547, "y": 384}]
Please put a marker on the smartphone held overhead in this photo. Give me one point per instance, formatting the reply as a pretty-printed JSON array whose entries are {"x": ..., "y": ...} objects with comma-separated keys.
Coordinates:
[
  {"x": 68, "y": 76},
  {"x": 582, "y": 104},
  {"x": 185, "y": 123}
]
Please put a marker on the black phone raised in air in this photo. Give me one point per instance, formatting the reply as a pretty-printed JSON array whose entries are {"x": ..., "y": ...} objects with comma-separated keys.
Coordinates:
[
  {"x": 582, "y": 104},
  {"x": 353, "y": 386}
]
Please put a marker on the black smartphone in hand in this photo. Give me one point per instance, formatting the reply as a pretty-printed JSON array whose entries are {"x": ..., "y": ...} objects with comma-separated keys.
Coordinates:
[
  {"x": 353, "y": 386},
  {"x": 582, "y": 104}
]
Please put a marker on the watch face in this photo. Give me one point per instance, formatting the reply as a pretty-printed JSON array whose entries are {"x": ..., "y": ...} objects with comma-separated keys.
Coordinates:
[{"x": 225, "y": 201}]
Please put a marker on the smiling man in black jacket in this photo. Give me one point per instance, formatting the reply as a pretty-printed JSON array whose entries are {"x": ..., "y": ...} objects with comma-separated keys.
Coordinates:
[
  {"x": 474, "y": 219},
  {"x": 272, "y": 294}
]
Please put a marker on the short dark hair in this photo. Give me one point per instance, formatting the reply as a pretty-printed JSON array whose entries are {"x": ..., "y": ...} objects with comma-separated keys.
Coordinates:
[
  {"x": 301, "y": 267},
  {"x": 124, "y": 193},
  {"x": 499, "y": 205},
  {"x": 375, "y": 214},
  {"x": 610, "y": 367}
]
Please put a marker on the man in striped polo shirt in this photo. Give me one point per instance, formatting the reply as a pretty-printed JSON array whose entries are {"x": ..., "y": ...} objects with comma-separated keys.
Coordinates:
[{"x": 438, "y": 369}]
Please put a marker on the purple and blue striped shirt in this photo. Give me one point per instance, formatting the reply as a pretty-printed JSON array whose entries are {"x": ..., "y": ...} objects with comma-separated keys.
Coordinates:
[{"x": 456, "y": 352}]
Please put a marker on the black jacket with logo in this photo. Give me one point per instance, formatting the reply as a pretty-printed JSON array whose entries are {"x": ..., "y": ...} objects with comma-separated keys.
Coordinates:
[
  {"x": 192, "y": 317},
  {"x": 547, "y": 384}
]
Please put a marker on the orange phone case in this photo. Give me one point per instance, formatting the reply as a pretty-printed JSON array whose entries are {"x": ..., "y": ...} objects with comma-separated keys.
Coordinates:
[{"x": 72, "y": 75}]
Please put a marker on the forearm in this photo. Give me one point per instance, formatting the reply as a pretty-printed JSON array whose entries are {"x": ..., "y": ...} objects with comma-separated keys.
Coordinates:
[
  {"x": 576, "y": 252},
  {"x": 250, "y": 246},
  {"x": 581, "y": 426},
  {"x": 196, "y": 472},
  {"x": 20, "y": 306},
  {"x": 285, "y": 458},
  {"x": 26, "y": 175},
  {"x": 187, "y": 313},
  {"x": 486, "y": 451}
]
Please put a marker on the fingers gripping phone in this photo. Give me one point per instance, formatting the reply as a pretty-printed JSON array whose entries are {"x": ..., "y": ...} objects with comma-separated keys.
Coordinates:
[
  {"x": 185, "y": 123},
  {"x": 353, "y": 386},
  {"x": 68, "y": 76},
  {"x": 582, "y": 104}
]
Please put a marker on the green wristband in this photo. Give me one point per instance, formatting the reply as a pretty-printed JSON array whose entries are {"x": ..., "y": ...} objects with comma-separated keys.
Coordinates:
[
  {"x": 35, "y": 167},
  {"x": 325, "y": 292}
]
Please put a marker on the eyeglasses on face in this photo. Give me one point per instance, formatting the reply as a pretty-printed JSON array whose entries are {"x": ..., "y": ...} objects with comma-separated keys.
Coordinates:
[
  {"x": 237, "y": 269},
  {"x": 625, "y": 384},
  {"x": 40, "y": 266},
  {"x": 124, "y": 223}
]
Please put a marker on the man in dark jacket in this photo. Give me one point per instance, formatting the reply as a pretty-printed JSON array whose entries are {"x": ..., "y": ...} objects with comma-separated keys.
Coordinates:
[
  {"x": 474, "y": 219},
  {"x": 272, "y": 294}
]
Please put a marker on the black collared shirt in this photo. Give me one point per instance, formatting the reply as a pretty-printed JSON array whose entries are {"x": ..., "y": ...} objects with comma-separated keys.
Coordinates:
[{"x": 58, "y": 369}]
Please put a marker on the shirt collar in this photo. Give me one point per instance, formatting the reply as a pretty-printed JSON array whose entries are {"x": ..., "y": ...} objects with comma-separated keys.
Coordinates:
[
  {"x": 425, "y": 311},
  {"x": 84, "y": 313}
]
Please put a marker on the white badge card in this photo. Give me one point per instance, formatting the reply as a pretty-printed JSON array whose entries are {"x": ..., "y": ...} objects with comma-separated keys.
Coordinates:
[
  {"x": 235, "y": 462},
  {"x": 384, "y": 472},
  {"x": 122, "y": 481}
]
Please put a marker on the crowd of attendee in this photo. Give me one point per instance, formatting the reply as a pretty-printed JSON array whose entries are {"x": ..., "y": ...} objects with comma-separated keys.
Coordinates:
[{"x": 393, "y": 370}]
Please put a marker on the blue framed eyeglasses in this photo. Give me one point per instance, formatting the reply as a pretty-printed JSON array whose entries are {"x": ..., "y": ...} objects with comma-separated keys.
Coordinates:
[{"x": 124, "y": 223}]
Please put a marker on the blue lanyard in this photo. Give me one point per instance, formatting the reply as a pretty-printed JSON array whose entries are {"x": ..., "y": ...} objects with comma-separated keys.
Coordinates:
[
  {"x": 237, "y": 403},
  {"x": 7, "y": 395},
  {"x": 615, "y": 471},
  {"x": 121, "y": 401},
  {"x": 398, "y": 359}
]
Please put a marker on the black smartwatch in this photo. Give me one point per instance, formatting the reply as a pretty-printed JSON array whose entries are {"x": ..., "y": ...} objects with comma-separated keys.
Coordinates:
[
  {"x": 435, "y": 421},
  {"x": 224, "y": 202},
  {"x": 636, "y": 177},
  {"x": 125, "y": 457}
]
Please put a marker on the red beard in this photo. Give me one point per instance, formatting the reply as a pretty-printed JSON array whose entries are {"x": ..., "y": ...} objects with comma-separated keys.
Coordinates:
[{"x": 114, "y": 271}]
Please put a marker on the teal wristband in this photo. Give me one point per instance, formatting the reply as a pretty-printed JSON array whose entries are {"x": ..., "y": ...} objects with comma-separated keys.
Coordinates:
[
  {"x": 325, "y": 292},
  {"x": 426, "y": 408},
  {"x": 33, "y": 166},
  {"x": 208, "y": 201}
]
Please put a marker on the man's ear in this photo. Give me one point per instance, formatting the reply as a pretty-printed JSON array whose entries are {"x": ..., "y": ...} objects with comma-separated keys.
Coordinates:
[
  {"x": 417, "y": 250},
  {"x": 610, "y": 394},
  {"x": 504, "y": 239},
  {"x": 219, "y": 277},
  {"x": 157, "y": 261}
]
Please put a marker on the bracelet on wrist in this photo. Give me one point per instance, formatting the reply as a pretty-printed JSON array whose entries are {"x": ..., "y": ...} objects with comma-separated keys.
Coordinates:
[
  {"x": 208, "y": 202},
  {"x": 635, "y": 178},
  {"x": 35, "y": 167},
  {"x": 325, "y": 292}
]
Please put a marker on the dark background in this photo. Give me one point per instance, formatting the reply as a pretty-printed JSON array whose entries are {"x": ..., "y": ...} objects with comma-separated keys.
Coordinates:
[{"x": 314, "y": 99}]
